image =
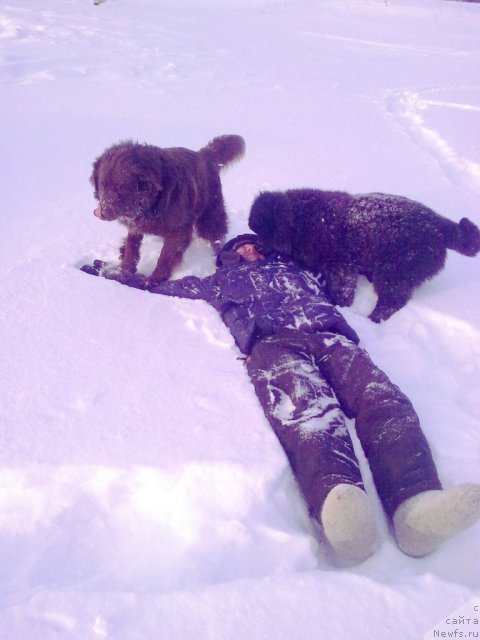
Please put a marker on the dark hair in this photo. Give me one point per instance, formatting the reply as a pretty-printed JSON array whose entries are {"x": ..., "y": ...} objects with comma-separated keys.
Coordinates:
[{"x": 224, "y": 258}]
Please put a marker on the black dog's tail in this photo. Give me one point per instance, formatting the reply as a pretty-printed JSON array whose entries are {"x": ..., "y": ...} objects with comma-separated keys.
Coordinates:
[
  {"x": 224, "y": 149},
  {"x": 463, "y": 237}
]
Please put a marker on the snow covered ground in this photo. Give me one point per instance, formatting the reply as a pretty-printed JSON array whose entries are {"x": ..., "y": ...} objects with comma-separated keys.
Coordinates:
[{"x": 142, "y": 493}]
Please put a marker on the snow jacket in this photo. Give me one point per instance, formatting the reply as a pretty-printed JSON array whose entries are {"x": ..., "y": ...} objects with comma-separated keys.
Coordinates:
[{"x": 261, "y": 298}]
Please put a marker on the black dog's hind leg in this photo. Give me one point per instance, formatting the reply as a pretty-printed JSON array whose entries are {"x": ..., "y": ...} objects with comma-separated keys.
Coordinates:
[
  {"x": 391, "y": 298},
  {"x": 341, "y": 283}
]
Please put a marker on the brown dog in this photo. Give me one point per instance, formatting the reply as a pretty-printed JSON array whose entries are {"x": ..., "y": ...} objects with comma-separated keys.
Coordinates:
[{"x": 164, "y": 192}]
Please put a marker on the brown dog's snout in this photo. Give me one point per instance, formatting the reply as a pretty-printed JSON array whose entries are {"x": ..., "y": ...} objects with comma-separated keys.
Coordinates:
[{"x": 104, "y": 212}]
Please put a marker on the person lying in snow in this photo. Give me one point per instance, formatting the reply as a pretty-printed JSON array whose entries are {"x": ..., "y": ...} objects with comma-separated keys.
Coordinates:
[{"x": 309, "y": 373}]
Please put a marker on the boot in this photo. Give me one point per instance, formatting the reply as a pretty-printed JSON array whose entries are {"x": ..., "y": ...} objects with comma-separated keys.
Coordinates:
[
  {"x": 348, "y": 525},
  {"x": 425, "y": 520}
]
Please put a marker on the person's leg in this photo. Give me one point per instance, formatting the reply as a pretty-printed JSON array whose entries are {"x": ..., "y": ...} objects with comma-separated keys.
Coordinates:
[
  {"x": 423, "y": 515},
  {"x": 306, "y": 417},
  {"x": 310, "y": 426},
  {"x": 385, "y": 421}
]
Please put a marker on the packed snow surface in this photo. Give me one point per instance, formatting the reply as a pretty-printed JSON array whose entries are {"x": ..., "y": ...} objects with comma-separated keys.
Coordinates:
[{"x": 142, "y": 492}]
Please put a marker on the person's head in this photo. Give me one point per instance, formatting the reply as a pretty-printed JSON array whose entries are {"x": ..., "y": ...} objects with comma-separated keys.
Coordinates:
[
  {"x": 250, "y": 252},
  {"x": 243, "y": 248}
]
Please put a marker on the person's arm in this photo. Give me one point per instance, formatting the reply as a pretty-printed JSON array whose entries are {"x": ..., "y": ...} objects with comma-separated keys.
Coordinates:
[{"x": 190, "y": 287}]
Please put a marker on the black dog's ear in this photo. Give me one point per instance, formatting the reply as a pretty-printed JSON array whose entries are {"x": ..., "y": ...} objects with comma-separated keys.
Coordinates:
[
  {"x": 262, "y": 215},
  {"x": 271, "y": 218}
]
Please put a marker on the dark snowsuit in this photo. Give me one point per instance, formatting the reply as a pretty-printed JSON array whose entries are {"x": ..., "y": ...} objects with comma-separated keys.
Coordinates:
[{"x": 309, "y": 373}]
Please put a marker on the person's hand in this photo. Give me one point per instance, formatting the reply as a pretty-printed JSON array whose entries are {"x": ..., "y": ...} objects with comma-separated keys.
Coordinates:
[
  {"x": 94, "y": 269},
  {"x": 114, "y": 272}
]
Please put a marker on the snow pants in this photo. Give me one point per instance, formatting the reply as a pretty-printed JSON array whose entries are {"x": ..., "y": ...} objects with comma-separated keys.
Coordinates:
[{"x": 307, "y": 384}]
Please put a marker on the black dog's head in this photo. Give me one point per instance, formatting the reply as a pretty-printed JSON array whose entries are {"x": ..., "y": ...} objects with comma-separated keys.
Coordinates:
[
  {"x": 127, "y": 182},
  {"x": 271, "y": 218}
]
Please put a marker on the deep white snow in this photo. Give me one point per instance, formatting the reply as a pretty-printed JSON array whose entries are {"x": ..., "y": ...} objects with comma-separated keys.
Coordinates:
[{"x": 142, "y": 493}]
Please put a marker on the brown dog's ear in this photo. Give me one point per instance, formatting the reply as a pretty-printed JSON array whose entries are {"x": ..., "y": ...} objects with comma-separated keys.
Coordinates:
[
  {"x": 146, "y": 168},
  {"x": 146, "y": 179},
  {"x": 271, "y": 218},
  {"x": 146, "y": 185}
]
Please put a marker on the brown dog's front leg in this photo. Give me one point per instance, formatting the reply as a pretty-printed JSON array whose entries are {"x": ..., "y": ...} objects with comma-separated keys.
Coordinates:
[
  {"x": 130, "y": 252},
  {"x": 171, "y": 254}
]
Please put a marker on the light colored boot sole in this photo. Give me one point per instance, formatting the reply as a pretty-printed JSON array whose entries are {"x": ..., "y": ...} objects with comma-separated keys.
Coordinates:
[
  {"x": 423, "y": 522},
  {"x": 348, "y": 525}
]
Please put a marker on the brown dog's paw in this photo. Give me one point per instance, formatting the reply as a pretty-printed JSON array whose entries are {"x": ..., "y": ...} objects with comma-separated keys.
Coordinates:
[
  {"x": 136, "y": 280},
  {"x": 159, "y": 275}
]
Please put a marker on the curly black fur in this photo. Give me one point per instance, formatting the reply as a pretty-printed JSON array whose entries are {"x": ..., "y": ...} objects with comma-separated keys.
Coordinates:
[{"x": 395, "y": 242}]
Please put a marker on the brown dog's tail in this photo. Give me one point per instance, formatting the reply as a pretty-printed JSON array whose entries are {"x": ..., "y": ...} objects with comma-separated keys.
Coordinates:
[
  {"x": 224, "y": 149},
  {"x": 463, "y": 237}
]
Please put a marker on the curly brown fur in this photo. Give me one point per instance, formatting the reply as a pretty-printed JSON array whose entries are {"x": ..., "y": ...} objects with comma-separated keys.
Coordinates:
[
  {"x": 395, "y": 242},
  {"x": 164, "y": 192}
]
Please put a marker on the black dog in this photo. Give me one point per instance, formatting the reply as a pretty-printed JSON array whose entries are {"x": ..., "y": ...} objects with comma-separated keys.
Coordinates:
[
  {"x": 164, "y": 192},
  {"x": 395, "y": 242}
]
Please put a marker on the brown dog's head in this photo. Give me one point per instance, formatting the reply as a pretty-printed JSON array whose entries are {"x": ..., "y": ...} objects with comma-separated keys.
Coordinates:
[
  {"x": 128, "y": 181},
  {"x": 271, "y": 218}
]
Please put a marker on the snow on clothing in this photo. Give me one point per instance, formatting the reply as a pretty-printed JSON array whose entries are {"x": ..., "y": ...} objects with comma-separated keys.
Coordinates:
[
  {"x": 306, "y": 384},
  {"x": 258, "y": 299},
  {"x": 308, "y": 373}
]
